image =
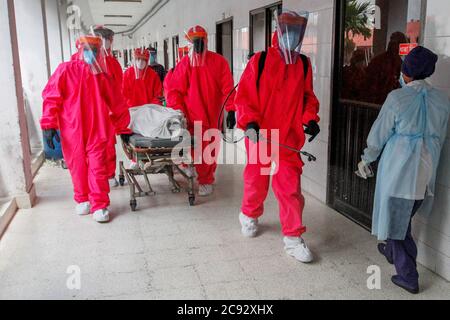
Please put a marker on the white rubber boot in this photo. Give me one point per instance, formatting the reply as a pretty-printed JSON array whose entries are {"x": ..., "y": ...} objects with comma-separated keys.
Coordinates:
[
  {"x": 249, "y": 226},
  {"x": 83, "y": 209},
  {"x": 101, "y": 216}
]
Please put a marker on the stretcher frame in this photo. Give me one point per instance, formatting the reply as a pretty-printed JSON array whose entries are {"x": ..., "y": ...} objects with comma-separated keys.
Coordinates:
[{"x": 154, "y": 161}]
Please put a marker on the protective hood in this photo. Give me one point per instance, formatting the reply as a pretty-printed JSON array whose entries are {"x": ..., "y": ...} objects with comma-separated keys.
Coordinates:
[
  {"x": 291, "y": 29},
  {"x": 92, "y": 52},
  {"x": 198, "y": 45},
  {"x": 141, "y": 59}
]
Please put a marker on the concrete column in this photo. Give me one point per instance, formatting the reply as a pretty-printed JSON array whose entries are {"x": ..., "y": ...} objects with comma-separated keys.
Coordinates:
[
  {"x": 15, "y": 155},
  {"x": 33, "y": 60}
]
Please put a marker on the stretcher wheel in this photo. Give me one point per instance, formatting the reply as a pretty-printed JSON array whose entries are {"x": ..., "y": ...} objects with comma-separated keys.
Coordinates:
[
  {"x": 133, "y": 205},
  {"x": 192, "y": 201},
  {"x": 122, "y": 181}
]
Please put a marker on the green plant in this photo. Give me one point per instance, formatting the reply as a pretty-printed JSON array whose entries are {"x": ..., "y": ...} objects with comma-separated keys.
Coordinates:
[{"x": 357, "y": 18}]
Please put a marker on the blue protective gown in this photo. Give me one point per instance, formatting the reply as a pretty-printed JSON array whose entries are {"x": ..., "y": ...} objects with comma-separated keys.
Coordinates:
[{"x": 411, "y": 118}]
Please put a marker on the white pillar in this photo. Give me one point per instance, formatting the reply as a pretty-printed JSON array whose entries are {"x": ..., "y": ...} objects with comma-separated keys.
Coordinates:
[{"x": 15, "y": 156}]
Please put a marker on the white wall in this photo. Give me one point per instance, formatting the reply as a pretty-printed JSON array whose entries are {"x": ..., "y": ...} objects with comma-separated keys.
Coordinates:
[
  {"x": 434, "y": 235},
  {"x": 30, "y": 33}
]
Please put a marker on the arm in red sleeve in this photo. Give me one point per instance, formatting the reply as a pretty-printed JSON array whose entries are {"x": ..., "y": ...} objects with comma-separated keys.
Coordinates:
[
  {"x": 127, "y": 87},
  {"x": 120, "y": 114},
  {"x": 247, "y": 97},
  {"x": 311, "y": 103},
  {"x": 53, "y": 97},
  {"x": 228, "y": 87},
  {"x": 179, "y": 86}
]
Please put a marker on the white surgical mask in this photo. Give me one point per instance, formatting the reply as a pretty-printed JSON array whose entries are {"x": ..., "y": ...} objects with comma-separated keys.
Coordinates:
[{"x": 141, "y": 64}]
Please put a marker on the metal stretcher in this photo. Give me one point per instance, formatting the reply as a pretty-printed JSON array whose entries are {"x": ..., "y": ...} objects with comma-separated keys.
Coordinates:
[{"x": 154, "y": 156}]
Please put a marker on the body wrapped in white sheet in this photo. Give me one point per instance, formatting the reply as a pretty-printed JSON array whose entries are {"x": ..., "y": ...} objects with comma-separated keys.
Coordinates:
[{"x": 154, "y": 121}]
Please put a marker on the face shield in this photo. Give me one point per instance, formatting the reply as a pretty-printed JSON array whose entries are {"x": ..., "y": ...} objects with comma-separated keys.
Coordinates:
[
  {"x": 291, "y": 29},
  {"x": 140, "y": 62},
  {"x": 92, "y": 52},
  {"x": 198, "y": 46}
]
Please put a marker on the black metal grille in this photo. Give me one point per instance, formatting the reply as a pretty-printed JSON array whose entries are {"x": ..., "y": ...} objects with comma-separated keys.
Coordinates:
[{"x": 351, "y": 195}]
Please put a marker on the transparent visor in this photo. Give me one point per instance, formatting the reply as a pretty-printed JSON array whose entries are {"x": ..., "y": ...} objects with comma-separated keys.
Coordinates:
[
  {"x": 140, "y": 65},
  {"x": 198, "y": 48},
  {"x": 291, "y": 29},
  {"x": 95, "y": 58}
]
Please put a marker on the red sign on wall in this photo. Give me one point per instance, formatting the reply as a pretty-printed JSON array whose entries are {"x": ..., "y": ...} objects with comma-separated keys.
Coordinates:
[{"x": 406, "y": 48}]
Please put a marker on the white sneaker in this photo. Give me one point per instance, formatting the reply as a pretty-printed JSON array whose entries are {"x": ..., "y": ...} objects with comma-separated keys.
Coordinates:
[
  {"x": 101, "y": 216},
  {"x": 249, "y": 226},
  {"x": 297, "y": 248},
  {"x": 134, "y": 165},
  {"x": 205, "y": 190},
  {"x": 83, "y": 209},
  {"x": 113, "y": 183}
]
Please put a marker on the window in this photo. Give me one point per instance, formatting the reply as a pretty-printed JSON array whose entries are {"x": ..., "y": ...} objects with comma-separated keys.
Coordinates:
[
  {"x": 262, "y": 27},
  {"x": 175, "y": 46},
  {"x": 374, "y": 30},
  {"x": 166, "y": 54}
]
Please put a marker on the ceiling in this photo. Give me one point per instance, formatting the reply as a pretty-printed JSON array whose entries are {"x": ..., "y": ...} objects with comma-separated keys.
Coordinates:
[{"x": 119, "y": 15}]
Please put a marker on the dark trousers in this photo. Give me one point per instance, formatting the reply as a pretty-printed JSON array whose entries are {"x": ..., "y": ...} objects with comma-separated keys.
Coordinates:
[{"x": 404, "y": 254}]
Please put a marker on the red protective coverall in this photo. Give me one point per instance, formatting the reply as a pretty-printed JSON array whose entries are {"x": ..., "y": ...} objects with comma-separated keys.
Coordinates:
[
  {"x": 286, "y": 102},
  {"x": 166, "y": 84},
  {"x": 139, "y": 92},
  {"x": 83, "y": 106},
  {"x": 116, "y": 74},
  {"x": 199, "y": 92}
]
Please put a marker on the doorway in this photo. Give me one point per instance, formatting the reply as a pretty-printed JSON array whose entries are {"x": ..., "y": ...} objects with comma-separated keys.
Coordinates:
[
  {"x": 166, "y": 54},
  {"x": 224, "y": 40},
  {"x": 263, "y": 26},
  {"x": 367, "y": 67},
  {"x": 175, "y": 46}
]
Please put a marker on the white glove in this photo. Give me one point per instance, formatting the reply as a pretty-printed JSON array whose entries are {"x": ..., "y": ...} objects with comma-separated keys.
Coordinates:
[{"x": 364, "y": 171}]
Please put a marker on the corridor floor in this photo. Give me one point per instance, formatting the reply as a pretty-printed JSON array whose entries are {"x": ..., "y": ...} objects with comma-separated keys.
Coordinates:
[{"x": 168, "y": 250}]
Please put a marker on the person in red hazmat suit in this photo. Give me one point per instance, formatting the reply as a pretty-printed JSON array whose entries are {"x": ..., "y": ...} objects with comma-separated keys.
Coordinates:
[
  {"x": 80, "y": 101},
  {"x": 198, "y": 87},
  {"x": 182, "y": 52},
  {"x": 141, "y": 85},
  {"x": 115, "y": 71},
  {"x": 278, "y": 103}
]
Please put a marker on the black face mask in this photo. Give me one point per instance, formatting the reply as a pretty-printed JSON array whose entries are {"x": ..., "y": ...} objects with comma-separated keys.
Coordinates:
[{"x": 199, "y": 45}]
